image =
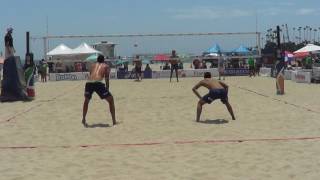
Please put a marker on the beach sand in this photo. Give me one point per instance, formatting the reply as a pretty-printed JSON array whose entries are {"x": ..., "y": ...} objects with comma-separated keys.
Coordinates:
[{"x": 274, "y": 137}]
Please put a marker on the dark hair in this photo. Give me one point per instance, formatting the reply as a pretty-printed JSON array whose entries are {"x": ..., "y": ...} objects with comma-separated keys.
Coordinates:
[
  {"x": 100, "y": 58},
  {"x": 207, "y": 75}
]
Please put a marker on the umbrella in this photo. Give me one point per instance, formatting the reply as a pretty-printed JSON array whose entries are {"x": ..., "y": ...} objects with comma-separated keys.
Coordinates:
[
  {"x": 161, "y": 57},
  {"x": 301, "y": 54},
  {"x": 93, "y": 57},
  {"x": 308, "y": 48},
  {"x": 121, "y": 61}
]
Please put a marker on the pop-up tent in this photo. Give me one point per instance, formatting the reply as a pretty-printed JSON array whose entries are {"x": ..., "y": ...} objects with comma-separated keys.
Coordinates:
[
  {"x": 214, "y": 49},
  {"x": 242, "y": 50},
  {"x": 60, "y": 50},
  {"x": 308, "y": 48},
  {"x": 84, "y": 48}
]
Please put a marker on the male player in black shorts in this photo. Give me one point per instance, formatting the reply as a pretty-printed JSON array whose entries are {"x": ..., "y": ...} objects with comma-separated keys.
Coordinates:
[
  {"x": 138, "y": 68},
  {"x": 98, "y": 72},
  {"x": 217, "y": 90},
  {"x": 174, "y": 61}
]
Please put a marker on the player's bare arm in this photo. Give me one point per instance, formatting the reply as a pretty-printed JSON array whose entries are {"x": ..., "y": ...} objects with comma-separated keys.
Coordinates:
[{"x": 195, "y": 88}]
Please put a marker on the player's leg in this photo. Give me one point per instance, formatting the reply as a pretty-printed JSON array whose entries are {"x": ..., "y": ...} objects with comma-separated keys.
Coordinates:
[
  {"x": 87, "y": 95},
  {"x": 199, "y": 109},
  {"x": 230, "y": 109},
  {"x": 112, "y": 109},
  {"x": 176, "y": 69},
  {"x": 171, "y": 72},
  {"x": 85, "y": 110}
]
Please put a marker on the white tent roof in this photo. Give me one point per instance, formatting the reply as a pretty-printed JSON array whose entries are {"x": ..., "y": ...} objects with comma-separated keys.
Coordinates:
[
  {"x": 84, "y": 48},
  {"x": 60, "y": 50},
  {"x": 308, "y": 48}
]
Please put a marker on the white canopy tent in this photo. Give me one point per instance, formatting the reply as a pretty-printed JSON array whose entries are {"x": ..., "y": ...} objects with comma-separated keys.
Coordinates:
[
  {"x": 84, "y": 48},
  {"x": 60, "y": 50},
  {"x": 308, "y": 48}
]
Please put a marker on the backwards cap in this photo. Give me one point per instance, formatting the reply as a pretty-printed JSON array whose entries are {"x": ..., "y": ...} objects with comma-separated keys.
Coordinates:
[{"x": 9, "y": 29}]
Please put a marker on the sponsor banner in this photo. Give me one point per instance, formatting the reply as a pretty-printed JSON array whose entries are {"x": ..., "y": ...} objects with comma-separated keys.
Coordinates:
[
  {"x": 316, "y": 73},
  {"x": 236, "y": 71},
  {"x": 76, "y": 76},
  {"x": 301, "y": 76},
  {"x": 184, "y": 73},
  {"x": 265, "y": 72},
  {"x": 288, "y": 74}
]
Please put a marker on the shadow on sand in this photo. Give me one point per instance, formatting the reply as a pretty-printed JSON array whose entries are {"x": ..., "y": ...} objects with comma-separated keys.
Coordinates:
[
  {"x": 216, "y": 121},
  {"x": 98, "y": 126}
]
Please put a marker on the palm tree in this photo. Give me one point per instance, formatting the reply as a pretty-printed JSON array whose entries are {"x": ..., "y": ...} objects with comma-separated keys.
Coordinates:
[
  {"x": 310, "y": 33},
  {"x": 304, "y": 34},
  {"x": 294, "y": 33},
  {"x": 299, "y": 29},
  {"x": 318, "y": 35}
]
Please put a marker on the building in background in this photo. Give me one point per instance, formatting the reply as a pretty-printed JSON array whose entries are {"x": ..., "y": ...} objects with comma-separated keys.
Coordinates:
[{"x": 107, "y": 48}]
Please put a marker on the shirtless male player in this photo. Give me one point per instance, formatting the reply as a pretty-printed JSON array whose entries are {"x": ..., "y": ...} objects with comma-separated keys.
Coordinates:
[
  {"x": 174, "y": 61},
  {"x": 217, "y": 90},
  {"x": 138, "y": 68},
  {"x": 98, "y": 72}
]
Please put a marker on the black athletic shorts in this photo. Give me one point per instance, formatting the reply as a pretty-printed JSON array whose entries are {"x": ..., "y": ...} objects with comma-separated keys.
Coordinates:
[
  {"x": 138, "y": 70},
  {"x": 214, "y": 94},
  {"x": 174, "y": 67},
  {"x": 98, "y": 87}
]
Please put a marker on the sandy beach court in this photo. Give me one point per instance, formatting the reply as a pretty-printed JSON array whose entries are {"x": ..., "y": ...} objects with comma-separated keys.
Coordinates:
[{"x": 274, "y": 137}]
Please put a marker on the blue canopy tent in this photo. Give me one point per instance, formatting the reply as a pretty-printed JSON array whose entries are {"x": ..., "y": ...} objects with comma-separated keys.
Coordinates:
[
  {"x": 242, "y": 50},
  {"x": 214, "y": 49}
]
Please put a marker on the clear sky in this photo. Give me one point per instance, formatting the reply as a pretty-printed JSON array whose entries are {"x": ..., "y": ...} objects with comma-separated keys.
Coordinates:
[{"x": 149, "y": 16}]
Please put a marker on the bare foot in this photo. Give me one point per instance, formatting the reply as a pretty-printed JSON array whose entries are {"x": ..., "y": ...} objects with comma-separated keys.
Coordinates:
[{"x": 84, "y": 123}]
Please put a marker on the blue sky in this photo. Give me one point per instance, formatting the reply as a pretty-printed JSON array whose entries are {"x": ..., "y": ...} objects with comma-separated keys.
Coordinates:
[{"x": 147, "y": 16}]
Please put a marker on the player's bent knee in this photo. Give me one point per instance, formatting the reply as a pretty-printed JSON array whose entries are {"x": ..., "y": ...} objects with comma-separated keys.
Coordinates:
[
  {"x": 201, "y": 102},
  {"x": 109, "y": 99}
]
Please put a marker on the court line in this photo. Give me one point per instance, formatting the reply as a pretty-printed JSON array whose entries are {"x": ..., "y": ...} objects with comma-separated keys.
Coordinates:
[
  {"x": 154, "y": 144},
  {"x": 12, "y": 117},
  {"x": 279, "y": 100}
]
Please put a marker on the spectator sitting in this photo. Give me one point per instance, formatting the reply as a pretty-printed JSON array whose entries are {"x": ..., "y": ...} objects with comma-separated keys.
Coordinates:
[
  {"x": 180, "y": 65},
  {"x": 204, "y": 65},
  {"x": 147, "y": 68},
  {"x": 196, "y": 64},
  {"x": 166, "y": 67}
]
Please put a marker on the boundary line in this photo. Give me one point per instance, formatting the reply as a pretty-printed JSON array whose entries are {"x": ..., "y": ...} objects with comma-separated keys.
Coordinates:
[
  {"x": 153, "y": 144},
  {"x": 278, "y": 100},
  {"x": 10, "y": 118}
]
